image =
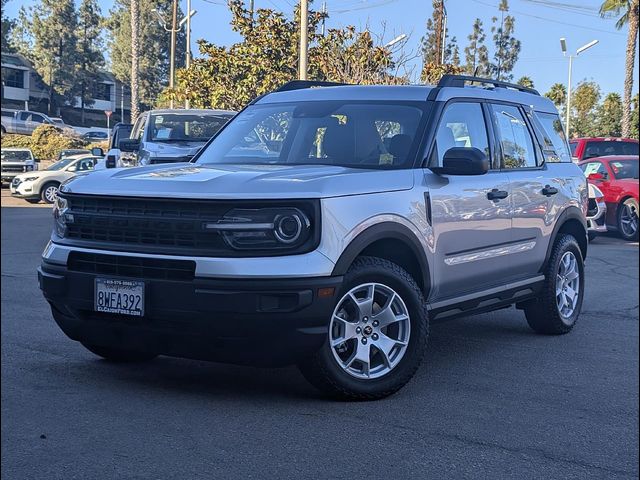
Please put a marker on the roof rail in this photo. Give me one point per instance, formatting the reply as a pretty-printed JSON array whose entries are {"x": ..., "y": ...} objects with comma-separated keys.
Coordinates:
[
  {"x": 459, "y": 81},
  {"x": 300, "y": 84}
]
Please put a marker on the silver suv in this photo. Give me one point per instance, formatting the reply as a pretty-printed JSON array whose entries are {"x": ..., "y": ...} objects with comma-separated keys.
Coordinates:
[{"x": 326, "y": 227}]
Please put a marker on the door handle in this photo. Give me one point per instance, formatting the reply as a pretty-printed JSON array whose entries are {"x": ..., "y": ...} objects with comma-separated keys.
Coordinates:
[
  {"x": 496, "y": 194},
  {"x": 548, "y": 190}
]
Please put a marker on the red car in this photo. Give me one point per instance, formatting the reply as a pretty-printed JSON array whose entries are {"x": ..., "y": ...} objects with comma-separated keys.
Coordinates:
[
  {"x": 617, "y": 177},
  {"x": 586, "y": 148}
]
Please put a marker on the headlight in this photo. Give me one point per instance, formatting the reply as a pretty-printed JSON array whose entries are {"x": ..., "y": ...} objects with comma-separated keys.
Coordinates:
[
  {"x": 60, "y": 216},
  {"x": 28, "y": 168},
  {"x": 265, "y": 228},
  {"x": 28, "y": 179}
]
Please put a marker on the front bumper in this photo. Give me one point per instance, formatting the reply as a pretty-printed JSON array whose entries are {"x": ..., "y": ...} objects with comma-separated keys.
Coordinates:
[
  {"x": 597, "y": 223},
  {"x": 23, "y": 189},
  {"x": 243, "y": 321}
]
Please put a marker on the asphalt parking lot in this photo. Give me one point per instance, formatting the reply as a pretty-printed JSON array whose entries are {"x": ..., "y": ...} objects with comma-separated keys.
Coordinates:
[{"x": 492, "y": 399}]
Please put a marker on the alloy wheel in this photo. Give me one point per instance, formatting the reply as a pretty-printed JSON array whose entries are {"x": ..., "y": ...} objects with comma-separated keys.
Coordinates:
[
  {"x": 369, "y": 331},
  {"x": 50, "y": 193},
  {"x": 629, "y": 220},
  {"x": 567, "y": 285}
]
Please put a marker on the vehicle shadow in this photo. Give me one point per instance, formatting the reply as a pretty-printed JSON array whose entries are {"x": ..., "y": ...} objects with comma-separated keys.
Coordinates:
[{"x": 452, "y": 344}]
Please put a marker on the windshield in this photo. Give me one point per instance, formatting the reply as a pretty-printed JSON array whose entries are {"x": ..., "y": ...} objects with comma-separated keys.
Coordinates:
[
  {"x": 177, "y": 127},
  {"x": 573, "y": 146},
  {"x": 15, "y": 155},
  {"x": 624, "y": 169},
  {"x": 601, "y": 148},
  {"x": 356, "y": 134},
  {"x": 60, "y": 164}
]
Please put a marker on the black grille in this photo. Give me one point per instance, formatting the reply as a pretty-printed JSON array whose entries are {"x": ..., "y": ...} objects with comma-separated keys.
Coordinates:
[
  {"x": 153, "y": 268},
  {"x": 162, "y": 225},
  {"x": 593, "y": 207},
  {"x": 151, "y": 223},
  {"x": 14, "y": 168}
]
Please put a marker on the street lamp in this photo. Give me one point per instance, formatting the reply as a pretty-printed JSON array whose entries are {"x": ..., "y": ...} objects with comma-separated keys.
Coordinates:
[
  {"x": 396, "y": 40},
  {"x": 563, "y": 46}
]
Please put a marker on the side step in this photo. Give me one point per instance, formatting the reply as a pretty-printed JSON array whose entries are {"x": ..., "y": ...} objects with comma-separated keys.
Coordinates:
[{"x": 487, "y": 300}]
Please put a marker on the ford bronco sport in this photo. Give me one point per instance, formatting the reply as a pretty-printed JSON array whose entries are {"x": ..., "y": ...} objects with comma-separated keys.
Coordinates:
[{"x": 326, "y": 227}]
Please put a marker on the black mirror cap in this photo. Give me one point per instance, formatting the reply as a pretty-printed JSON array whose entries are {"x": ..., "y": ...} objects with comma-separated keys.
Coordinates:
[
  {"x": 97, "y": 152},
  {"x": 110, "y": 161},
  {"x": 129, "y": 144},
  {"x": 464, "y": 161}
]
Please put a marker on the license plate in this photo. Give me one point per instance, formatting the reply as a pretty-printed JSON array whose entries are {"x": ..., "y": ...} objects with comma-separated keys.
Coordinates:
[{"x": 125, "y": 297}]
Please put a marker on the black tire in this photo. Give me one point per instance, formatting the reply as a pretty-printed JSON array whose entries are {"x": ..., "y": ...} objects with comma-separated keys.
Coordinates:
[
  {"x": 543, "y": 314},
  {"x": 322, "y": 370},
  {"x": 43, "y": 192},
  {"x": 33, "y": 200},
  {"x": 629, "y": 206},
  {"x": 592, "y": 236},
  {"x": 120, "y": 356}
]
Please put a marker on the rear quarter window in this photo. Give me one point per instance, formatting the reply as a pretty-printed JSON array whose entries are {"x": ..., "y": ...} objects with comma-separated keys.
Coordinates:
[{"x": 554, "y": 142}]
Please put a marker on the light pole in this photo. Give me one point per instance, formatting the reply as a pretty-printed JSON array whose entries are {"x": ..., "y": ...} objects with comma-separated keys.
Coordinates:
[{"x": 563, "y": 45}]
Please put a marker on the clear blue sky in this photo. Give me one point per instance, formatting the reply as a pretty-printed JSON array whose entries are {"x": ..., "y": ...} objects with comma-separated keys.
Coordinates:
[{"x": 539, "y": 25}]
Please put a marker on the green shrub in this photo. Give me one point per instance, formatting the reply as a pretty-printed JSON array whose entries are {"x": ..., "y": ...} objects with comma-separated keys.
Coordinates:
[{"x": 45, "y": 142}]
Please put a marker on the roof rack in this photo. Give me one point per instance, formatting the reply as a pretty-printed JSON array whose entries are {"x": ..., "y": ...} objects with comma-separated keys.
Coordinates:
[
  {"x": 459, "y": 81},
  {"x": 301, "y": 84}
]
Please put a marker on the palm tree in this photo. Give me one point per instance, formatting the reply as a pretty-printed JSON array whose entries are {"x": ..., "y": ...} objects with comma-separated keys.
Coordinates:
[
  {"x": 135, "y": 29},
  {"x": 629, "y": 10}
]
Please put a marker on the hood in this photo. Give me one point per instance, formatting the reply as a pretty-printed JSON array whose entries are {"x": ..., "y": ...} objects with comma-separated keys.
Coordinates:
[
  {"x": 188, "y": 180},
  {"x": 39, "y": 174},
  {"x": 173, "y": 149}
]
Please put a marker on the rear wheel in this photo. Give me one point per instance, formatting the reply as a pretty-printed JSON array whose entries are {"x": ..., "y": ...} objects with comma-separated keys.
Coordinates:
[
  {"x": 118, "y": 355},
  {"x": 628, "y": 219},
  {"x": 560, "y": 302},
  {"x": 376, "y": 335},
  {"x": 49, "y": 192}
]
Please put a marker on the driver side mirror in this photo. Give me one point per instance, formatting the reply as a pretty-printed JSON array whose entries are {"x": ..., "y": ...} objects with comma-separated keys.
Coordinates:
[
  {"x": 464, "y": 161},
  {"x": 97, "y": 152},
  {"x": 129, "y": 144},
  {"x": 595, "y": 176}
]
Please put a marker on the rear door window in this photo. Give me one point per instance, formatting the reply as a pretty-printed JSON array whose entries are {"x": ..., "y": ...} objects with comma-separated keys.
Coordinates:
[{"x": 518, "y": 149}]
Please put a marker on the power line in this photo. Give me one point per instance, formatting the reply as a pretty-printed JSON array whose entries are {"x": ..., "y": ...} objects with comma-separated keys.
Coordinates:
[{"x": 553, "y": 21}]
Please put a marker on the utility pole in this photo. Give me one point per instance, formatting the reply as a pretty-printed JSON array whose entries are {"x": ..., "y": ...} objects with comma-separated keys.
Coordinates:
[
  {"x": 439, "y": 46},
  {"x": 135, "y": 101},
  {"x": 304, "y": 39},
  {"x": 324, "y": 16},
  {"x": 251, "y": 7},
  {"x": 172, "y": 61},
  {"x": 187, "y": 62}
]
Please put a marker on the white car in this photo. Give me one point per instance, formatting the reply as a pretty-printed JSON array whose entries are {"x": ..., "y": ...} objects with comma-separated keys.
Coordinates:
[
  {"x": 43, "y": 184},
  {"x": 597, "y": 213}
]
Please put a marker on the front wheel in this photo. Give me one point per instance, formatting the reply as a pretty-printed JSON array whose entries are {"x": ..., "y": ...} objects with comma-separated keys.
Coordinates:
[
  {"x": 628, "y": 219},
  {"x": 376, "y": 336},
  {"x": 118, "y": 355},
  {"x": 49, "y": 192},
  {"x": 560, "y": 302}
]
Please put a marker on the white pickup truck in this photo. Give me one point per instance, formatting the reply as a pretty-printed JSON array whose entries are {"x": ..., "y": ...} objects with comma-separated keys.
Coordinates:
[{"x": 24, "y": 122}]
